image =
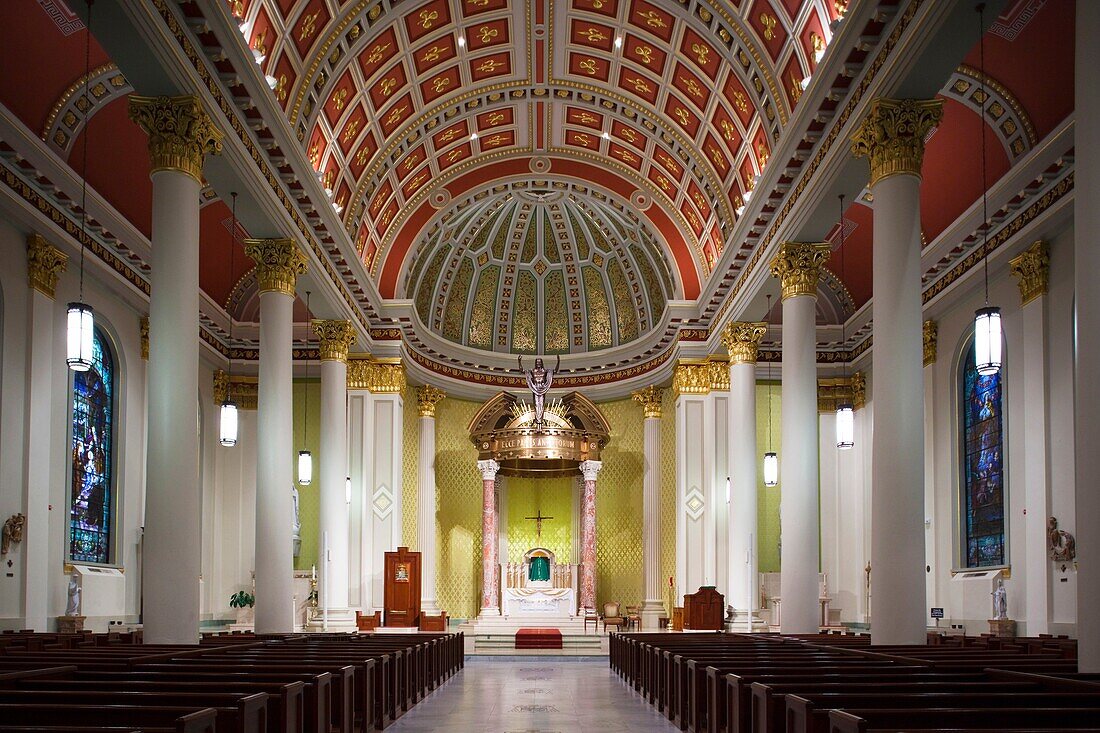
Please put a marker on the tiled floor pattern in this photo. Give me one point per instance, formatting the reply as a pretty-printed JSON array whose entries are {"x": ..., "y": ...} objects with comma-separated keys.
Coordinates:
[{"x": 533, "y": 696}]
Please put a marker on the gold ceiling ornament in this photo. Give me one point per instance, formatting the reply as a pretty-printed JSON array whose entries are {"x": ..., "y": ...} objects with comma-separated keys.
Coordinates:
[
  {"x": 689, "y": 378},
  {"x": 859, "y": 390},
  {"x": 279, "y": 262},
  {"x": 45, "y": 263},
  {"x": 1032, "y": 266},
  {"x": 931, "y": 334},
  {"x": 892, "y": 135},
  {"x": 246, "y": 390},
  {"x": 336, "y": 338},
  {"x": 742, "y": 340},
  {"x": 143, "y": 324},
  {"x": 719, "y": 367},
  {"x": 798, "y": 265},
  {"x": 181, "y": 133},
  {"x": 376, "y": 375},
  {"x": 650, "y": 400},
  {"x": 427, "y": 397}
]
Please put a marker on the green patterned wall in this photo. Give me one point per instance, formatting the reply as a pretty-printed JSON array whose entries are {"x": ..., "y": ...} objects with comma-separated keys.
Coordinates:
[
  {"x": 767, "y": 503},
  {"x": 309, "y": 501},
  {"x": 619, "y": 507},
  {"x": 668, "y": 493},
  {"x": 410, "y": 455},
  {"x": 554, "y": 498}
]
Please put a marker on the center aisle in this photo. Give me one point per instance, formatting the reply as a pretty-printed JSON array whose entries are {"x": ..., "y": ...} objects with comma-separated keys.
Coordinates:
[{"x": 543, "y": 695}]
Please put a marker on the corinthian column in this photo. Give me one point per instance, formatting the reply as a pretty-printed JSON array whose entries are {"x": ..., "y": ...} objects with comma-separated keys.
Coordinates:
[
  {"x": 742, "y": 340},
  {"x": 892, "y": 137},
  {"x": 798, "y": 265},
  {"x": 490, "y": 570},
  {"x": 181, "y": 135},
  {"x": 336, "y": 338},
  {"x": 427, "y": 397},
  {"x": 278, "y": 264},
  {"x": 652, "y": 607},
  {"x": 589, "y": 469}
]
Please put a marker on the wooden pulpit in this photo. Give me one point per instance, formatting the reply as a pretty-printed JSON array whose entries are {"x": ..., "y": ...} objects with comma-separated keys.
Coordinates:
[
  {"x": 401, "y": 594},
  {"x": 704, "y": 609}
]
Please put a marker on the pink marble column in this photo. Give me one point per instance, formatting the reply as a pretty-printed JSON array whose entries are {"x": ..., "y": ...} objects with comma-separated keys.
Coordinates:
[
  {"x": 590, "y": 469},
  {"x": 490, "y": 567}
]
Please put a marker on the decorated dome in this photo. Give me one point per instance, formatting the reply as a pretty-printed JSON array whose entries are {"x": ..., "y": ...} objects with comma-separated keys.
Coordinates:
[{"x": 540, "y": 267}]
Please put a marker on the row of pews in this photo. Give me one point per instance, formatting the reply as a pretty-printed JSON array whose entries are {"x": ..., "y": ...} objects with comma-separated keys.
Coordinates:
[
  {"x": 230, "y": 683},
  {"x": 766, "y": 683}
]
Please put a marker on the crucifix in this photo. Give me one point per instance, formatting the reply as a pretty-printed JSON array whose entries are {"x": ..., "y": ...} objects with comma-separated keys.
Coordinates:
[{"x": 538, "y": 519}]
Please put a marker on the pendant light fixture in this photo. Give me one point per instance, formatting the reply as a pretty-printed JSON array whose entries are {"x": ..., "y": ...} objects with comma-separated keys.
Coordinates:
[
  {"x": 771, "y": 460},
  {"x": 80, "y": 324},
  {"x": 305, "y": 457},
  {"x": 228, "y": 418},
  {"x": 845, "y": 411},
  {"x": 987, "y": 319}
]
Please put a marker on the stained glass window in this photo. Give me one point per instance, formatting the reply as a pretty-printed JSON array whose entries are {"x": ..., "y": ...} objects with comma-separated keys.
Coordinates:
[
  {"x": 93, "y": 417},
  {"x": 983, "y": 497}
]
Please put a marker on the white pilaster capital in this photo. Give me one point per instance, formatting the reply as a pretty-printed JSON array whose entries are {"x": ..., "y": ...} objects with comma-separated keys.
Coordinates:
[
  {"x": 488, "y": 469},
  {"x": 590, "y": 469}
]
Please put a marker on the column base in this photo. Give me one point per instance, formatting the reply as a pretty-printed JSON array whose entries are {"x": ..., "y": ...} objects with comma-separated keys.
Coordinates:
[
  {"x": 340, "y": 620},
  {"x": 746, "y": 621},
  {"x": 489, "y": 613},
  {"x": 430, "y": 607},
  {"x": 652, "y": 612}
]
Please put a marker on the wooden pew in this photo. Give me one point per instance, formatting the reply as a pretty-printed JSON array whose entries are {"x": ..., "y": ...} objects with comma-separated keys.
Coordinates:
[
  {"x": 150, "y": 719},
  {"x": 984, "y": 719}
]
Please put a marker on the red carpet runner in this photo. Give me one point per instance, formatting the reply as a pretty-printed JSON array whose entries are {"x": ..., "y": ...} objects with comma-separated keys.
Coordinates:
[{"x": 538, "y": 639}]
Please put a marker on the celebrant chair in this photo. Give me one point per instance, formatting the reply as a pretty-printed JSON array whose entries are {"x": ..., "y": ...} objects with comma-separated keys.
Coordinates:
[
  {"x": 633, "y": 618},
  {"x": 612, "y": 616},
  {"x": 589, "y": 614}
]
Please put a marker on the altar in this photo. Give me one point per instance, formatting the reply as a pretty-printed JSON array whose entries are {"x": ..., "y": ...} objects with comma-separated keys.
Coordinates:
[
  {"x": 538, "y": 586},
  {"x": 539, "y": 601}
]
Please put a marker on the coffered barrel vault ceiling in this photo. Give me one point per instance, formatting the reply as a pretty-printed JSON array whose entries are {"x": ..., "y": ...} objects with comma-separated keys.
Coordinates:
[{"x": 393, "y": 101}]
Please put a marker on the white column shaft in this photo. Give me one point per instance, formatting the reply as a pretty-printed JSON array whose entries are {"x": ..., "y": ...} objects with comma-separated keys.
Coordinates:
[
  {"x": 173, "y": 491},
  {"x": 798, "y": 469},
  {"x": 743, "y": 461},
  {"x": 274, "y": 474},
  {"x": 39, "y": 481},
  {"x": 1036, "y": 470},
  {"x": 333, "y": 465},
  {"x": 897, "y": 445},
  {"x": 425, "y": 515},
  {"x": 652, "y": 607}
]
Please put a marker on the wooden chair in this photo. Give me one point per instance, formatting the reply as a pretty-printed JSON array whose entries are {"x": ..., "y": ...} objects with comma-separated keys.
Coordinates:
[
  {"x": 589, "y": 614},
  {"x": 612, "y": 616},
  {"x": 633, "y": 618}
]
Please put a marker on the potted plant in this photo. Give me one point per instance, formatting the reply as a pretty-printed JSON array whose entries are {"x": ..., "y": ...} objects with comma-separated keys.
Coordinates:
[{"x": 244, "y": 602}]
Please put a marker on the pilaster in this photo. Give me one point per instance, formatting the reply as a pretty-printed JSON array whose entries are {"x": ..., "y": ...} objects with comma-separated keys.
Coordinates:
[{"x": 652, "y": 606}]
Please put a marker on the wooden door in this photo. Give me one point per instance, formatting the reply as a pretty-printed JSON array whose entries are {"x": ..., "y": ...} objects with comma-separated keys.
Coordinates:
[{"x": 402, "y": 588}]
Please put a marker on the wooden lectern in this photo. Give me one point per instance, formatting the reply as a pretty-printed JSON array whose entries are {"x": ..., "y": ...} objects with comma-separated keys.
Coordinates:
[
  {"x": 704, "y": 609},
  {"x": 401, "y": 594}
]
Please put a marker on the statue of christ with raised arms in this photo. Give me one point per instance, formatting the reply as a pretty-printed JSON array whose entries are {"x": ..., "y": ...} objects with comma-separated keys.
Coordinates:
[{"x": 539, "y": 380}]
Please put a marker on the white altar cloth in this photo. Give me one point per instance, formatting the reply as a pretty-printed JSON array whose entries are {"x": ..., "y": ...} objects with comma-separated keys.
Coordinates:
[{"x": 538, "y": 601}]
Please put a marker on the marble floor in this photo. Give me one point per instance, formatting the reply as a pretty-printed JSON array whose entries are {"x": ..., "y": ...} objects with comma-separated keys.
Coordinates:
[{"x": 542, "y": 695}]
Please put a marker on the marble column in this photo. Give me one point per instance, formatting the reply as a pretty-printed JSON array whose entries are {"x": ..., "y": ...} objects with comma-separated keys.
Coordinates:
[
  {"x": 427, "y": 397},
  {"x": 589, "y": 469},
  {"x": 652, "y": 605},
  {"x": 742, "y": 340},
  {"x": 336, "y": 338},
  {"x": 1086, "y": 265},
  {"x": 1031, "y": 267},
  {"x": 798, "y": 266},
  {"x": 278, "y": 264},
  {"x": 181, "y": 135},
  {"x": 45, "y": 263},
  {"x": 892, "y": 137},
  {"x": 490, "y": 566}
]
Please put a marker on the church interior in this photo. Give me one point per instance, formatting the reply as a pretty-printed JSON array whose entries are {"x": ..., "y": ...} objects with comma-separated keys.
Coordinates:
[{"x": 584, "y": 360}]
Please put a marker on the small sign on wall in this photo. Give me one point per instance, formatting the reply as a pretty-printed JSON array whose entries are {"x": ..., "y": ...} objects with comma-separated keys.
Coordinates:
[{"x": 937, "y": 613}]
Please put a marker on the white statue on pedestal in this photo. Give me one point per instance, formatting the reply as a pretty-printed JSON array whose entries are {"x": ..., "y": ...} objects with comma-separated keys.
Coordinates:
[
  {"x": 1000, "y": 602},
  {"x": 296, "y": 527},
  {"x": 72, "y": 608}
]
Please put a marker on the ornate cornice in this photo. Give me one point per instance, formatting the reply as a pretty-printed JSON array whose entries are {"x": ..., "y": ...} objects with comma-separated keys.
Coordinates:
[
  {"x": 143, "y": 325},
  {"x": 1032, "y": 266},
  {"x": 376, "y": 376},
  {"x": 701, "y": 377},
  {"x": 892, "y": 135},
  {"x": 180, "y": 132},
  {"x": 244, "y": 390},
  {"x": 279, "y": 262},
  {"x": 427, "y": 397},
  {"x": 650, "y": 400},
  {"x": 742, "y": 340},
  {"x": 835, "y": 391},
  {"x": 931, "y": 332},
  {"x": 45, "y": 263},
  {"x": 336, "y": 339},
  {"x": 859, "y": 390},
  {"x": 798, "y": 266}
]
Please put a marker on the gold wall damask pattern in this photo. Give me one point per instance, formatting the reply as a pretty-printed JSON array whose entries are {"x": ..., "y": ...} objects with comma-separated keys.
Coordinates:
[
  {"x": 456, "y": 304},
  {"x": 309, "y": 500},
  {"x": 410, "y": 457},
  {"x": 619, "y": 507},
  {"x": 667, "y": 508},
  {"x": 767, "y": 516},
  {"x": 599, "y": 312},
  {"x": 554, "y": 498}
]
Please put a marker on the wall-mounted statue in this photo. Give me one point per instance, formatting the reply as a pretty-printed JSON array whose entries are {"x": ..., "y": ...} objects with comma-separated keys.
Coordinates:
[
  {"x": 539, "y": 380},
  {"x": 13, "y": 532},
  {"x": 1062, "y": 545}
]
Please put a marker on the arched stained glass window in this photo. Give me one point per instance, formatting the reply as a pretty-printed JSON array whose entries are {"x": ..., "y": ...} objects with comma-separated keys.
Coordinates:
[
  {"x": 982, "y": 515},
  {"x": 91, "y": 505}
]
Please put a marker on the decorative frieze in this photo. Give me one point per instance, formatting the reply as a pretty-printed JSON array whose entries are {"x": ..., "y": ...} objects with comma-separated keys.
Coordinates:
[
  {"x": 650, "y": 400},
  {"x": 834, "y": 391},
  {"x": 336, "y": 338},
  {"x": 279, "y": 262},
  {"x": 427, "y": 397},
  {"x": 1032, "y": 267},
  {"x": 701, "y": 377},
  {"x": 931, "y": 333},
  {"x": 243, "y": 390},
  {"x": 180, "y": 132},
  {"x": 377, "y": 376},
  {"x": 859, "y": 391},
  {"x": 892, "y": 135},
  {"x": 143, "y": 324},
  {"x": 45, "y": 263},
  {"x": 798, "y": 266},
  {"x": 742, "y": 340}
]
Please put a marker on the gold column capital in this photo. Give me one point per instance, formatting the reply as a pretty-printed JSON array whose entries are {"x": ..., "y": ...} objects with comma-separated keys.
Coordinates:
[
  {"x": 45, "y": 263},
  {"x": 1032, "y": 266},
  {"x": 143, "y": 324},
  {"x": 336, "y": 338},
  {"x": 931, "y": 335},
  {"x": 427, "y": 397},
  {"x": 742, "y": 340},
  {"x": 798, "y": 266},
  {"x": 691, "y": 378},
  {"x": 376, "y": 375},
  {"x": 892, "y": 135},
  {"x": 650, "y": 400},
  {"x": 181, "y": 133},
  {"x": 279, "y": 262}
]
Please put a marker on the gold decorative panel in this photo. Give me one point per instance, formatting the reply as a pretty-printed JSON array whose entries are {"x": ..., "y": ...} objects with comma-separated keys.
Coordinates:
[
  {"x": 427, "y": 287},
  {"x": 456, "y": 304},
  {"x": 482, "y": 314},
  {"x": 410, "y": 457},
  {"x": 599, "y": 312},
  {"x": 557, "y": 326},
  {"x": 524, "y": 318},
  {"x": 626, "y": 317},
  {"x": 668, "y": 491}
]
